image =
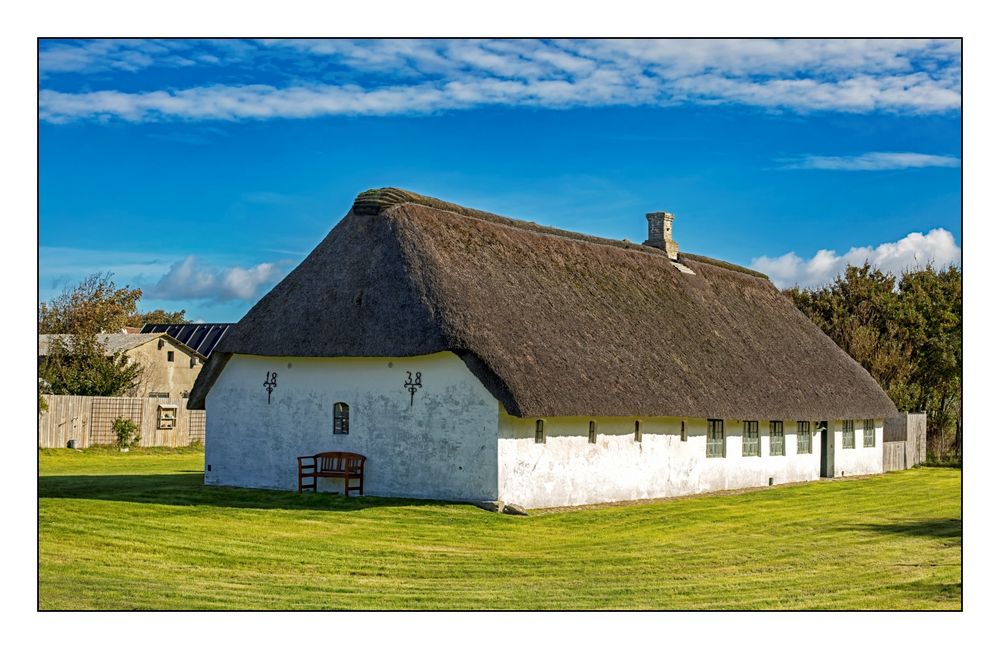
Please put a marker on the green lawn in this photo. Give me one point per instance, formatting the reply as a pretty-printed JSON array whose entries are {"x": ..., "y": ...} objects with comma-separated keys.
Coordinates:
[{"x": 139, "y": 530}]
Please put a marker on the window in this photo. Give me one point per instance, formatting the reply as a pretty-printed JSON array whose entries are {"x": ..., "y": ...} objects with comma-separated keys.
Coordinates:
[
  {"x": 159, "y": 395},
  {"x": 870, "y": 433},
  {"x": 751, "y": 439},
  {"x": 166, "y": 417},
  {"x": 341, "y": 418},
  {"x": 638, "y": 432},
  {"x": 592, "y": 433},
  {"x": 170, "y": 357},
  {"x": 684, "y": 433},
  {"x": 777, "y": 438},
  {"x": 848, "y": 433},
  {"x": 716, "y": 438},
  {"x": 805, "y": 438},
  {"x": 539, "y": 431}
]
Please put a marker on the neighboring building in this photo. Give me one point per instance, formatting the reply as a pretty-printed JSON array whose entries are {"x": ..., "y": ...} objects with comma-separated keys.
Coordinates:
[
  {"x": 202, "y": 337},
  {"x": 169, "y": 366},
  {"x": 475, "y": 357}
]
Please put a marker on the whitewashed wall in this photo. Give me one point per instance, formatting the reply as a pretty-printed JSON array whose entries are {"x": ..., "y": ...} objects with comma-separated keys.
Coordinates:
[
  {"x": 859, "y": 460},
  {"x": 443, "y": 447},
  {"x": 567, "y": 470}
]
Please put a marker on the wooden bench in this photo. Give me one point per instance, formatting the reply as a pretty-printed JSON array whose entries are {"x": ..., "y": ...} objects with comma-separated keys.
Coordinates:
[{"x": 332, "y": 464}]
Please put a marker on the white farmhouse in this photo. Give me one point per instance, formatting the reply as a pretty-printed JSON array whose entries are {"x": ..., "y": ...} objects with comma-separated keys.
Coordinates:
[{"x": 474, "y": 357}]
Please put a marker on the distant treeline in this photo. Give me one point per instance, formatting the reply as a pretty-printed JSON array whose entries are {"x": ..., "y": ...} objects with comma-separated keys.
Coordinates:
[{"x": 906, "y": 331}]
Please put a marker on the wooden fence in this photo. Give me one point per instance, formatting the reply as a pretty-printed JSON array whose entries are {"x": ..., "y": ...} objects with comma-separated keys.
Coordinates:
[
  {"x": 904, "y": 441},
  {"x": 87, "y": 421}
]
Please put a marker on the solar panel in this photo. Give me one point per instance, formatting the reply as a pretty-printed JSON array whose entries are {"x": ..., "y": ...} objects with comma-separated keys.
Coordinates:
[{"x": 201, "y": 337}]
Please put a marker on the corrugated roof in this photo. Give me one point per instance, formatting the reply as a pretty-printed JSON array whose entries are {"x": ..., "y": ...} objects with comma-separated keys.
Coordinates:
[
  {"x": 112, "y": 342},
  {"x": 202, "y": 337}
]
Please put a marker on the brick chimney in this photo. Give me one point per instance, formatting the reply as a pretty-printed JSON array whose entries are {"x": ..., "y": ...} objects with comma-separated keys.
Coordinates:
[{"x": 661, "y": 226}]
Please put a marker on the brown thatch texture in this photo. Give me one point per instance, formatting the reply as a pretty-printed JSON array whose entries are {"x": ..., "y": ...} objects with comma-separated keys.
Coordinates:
[{"x": 554, "y": 323}]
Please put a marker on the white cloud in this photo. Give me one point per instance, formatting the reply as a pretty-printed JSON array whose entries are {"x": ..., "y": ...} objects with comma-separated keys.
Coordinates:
[
  {"x": 415, "y": 76},
  {"x": 937, "y": 247},
  {"x": 190, "y": 279},
  {"x": 874, "y": 161}
]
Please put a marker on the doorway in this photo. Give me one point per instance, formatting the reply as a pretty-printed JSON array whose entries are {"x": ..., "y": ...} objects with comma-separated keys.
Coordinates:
[{"x": 826, "y": 469}]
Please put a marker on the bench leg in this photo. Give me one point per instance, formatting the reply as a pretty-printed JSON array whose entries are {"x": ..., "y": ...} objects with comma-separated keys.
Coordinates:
[{"x": 304, "y": 486}]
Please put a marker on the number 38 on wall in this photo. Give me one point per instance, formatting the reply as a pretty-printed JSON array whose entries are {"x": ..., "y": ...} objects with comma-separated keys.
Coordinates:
[{"x": 412, "y": 384}]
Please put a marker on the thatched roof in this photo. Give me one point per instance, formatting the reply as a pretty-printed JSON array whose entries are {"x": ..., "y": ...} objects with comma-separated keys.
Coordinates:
[{"x": 554, "y": 323}]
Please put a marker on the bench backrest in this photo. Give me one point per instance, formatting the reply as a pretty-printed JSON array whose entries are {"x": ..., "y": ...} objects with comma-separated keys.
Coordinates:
[{"x": 339, "y": 461}]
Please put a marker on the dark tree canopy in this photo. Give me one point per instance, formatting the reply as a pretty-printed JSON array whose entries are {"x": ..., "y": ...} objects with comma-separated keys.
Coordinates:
[{"x": 906, "y": 331}]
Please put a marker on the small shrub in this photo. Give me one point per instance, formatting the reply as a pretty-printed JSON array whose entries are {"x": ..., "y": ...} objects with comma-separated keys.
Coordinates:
[{"x": 126, "y": 432}]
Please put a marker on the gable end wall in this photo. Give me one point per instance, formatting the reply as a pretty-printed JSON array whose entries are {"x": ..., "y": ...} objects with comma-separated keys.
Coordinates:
[{"x": 442, "y": 447}]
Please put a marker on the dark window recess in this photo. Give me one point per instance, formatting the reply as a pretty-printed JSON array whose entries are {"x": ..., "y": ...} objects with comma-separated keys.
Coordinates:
[
  {"x": 592, "y": 433},
  {"x": 539, "y": 431},
  {"x": 638, "y": 432},
  {"x": 170, "y": 357},
  {"x": 684, "y": 433},
  {"x": 341, "y": 418}
]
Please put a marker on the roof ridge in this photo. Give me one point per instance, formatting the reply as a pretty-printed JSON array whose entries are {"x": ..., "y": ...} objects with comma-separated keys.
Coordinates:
[{"x": 375, "y": 201}]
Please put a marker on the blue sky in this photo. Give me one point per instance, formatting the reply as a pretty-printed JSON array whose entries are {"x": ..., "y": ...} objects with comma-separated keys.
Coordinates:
[{"x": 203, "y": 171}]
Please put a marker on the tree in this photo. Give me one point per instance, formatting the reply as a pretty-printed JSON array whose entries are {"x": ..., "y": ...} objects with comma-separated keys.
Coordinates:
[
  {"x": 906, "y": 331},
  {"x": 932, "y": 319},
  {"x": 159, "y": 316},
  {"x": 80, "y": 365},
  {"x": 95, "y": 305}
]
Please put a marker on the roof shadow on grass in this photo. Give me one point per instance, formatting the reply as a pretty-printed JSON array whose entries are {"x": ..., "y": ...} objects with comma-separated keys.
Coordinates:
[
  {"x": 188, "y": 489},
  {"x": 942, "y": 528}
]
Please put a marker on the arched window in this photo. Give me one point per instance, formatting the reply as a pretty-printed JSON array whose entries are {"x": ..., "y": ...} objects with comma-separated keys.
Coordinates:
[
  {"x": 592, "y": 433},
  {"x": 539, "y": 431},
  {"x": 638, "y": 431},
  {"x": 341, "y": 418}
]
